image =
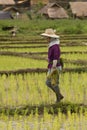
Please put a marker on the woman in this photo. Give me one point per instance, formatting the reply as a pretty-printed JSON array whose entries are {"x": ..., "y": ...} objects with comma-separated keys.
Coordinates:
[{"x": 54, "y": 66}]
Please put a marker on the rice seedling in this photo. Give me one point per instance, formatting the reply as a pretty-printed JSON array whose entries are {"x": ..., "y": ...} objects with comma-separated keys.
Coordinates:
[
  {"x": 47, "y": 121},
  {"x": 31, "y": 89},
  {"x": 74, "y": 48},
  {"x": 13, "y": 63},
  {"x": 75, "y": 56}
]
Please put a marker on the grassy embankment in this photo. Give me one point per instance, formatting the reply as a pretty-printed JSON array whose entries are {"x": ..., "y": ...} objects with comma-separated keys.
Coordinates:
[{"x": 33, "y": 27}]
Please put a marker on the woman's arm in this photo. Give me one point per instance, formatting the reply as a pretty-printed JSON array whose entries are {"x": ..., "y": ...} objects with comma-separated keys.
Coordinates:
[{"x": 54, "y": 64}]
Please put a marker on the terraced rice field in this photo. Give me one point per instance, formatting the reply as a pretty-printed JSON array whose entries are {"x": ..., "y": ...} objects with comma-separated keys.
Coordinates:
[{"x": 25, "y": 101}]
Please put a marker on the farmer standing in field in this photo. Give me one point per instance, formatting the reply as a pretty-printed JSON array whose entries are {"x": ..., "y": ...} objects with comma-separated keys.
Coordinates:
[{"x": 54, "y": 66}]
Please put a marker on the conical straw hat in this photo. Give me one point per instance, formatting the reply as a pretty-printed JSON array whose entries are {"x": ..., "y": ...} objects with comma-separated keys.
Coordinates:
[{"x": 49, "y": 33}]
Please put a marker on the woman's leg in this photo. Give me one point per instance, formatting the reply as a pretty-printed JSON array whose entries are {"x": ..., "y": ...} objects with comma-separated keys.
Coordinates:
[{"x": 55, "y": 89}]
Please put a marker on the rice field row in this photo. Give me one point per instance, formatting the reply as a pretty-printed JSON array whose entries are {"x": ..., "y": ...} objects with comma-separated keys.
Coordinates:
[
  {"x": 44, "y": 49},
  {"x": 30, "y": 89},
  {"x": 45, "y": 122},
  {"x": 14, "y": 63},
  {"x": 30, "y": 45}
]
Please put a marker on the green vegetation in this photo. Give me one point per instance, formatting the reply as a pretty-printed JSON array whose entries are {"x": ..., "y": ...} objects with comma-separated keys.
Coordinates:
[
  {"x": 47, "y": 121},
  {"x": 14, "y": 63},
  {"x": 30, "y": 89},
  {"x": 25, "y": 101},
  {"x": 36, "y": 26}
]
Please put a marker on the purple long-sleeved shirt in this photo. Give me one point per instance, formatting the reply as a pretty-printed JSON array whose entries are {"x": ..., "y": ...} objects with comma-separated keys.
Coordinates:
[{"x": 53, "y": 54}]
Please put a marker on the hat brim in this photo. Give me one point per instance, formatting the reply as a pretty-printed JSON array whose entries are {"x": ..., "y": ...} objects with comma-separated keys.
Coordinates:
[{"x": 47, "y": 35}]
